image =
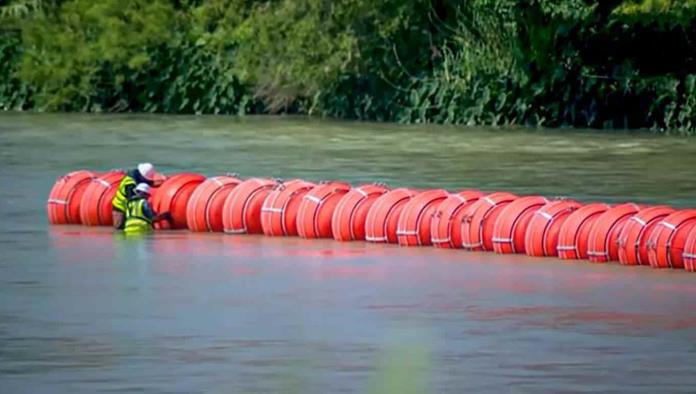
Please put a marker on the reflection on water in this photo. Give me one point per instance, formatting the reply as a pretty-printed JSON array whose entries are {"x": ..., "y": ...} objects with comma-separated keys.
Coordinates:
[{"x": 86, "y": 310}]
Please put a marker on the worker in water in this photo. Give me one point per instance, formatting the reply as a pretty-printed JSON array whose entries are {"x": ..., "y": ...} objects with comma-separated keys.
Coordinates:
[
  {"x": 144, "y": 173},
  {"x": 139, "y": 214}
]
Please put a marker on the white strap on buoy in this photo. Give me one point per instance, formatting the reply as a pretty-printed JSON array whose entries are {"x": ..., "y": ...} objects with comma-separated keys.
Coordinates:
[
  {"x": 375, "y": 239},
  {"x": 566, "y": 247},
  {"x": 441, "y": 240},
  {"x": 639, "y": 221},
  {"x": 668, "y": 225},
  {"x": 474, "y": 245},
  {"x": 406, "y": 232},
  {"x": 500, "y": 240},
  {"x": 596, "y": 253},
  {"x": 488, "y": 200},
  {"x": 546, "y": 215},
  {"x": 217, "y": 180},
  {"x": 361, "y": 191},
  {"x": 235, "y": 231},
  {"x": 103, "y": 182},
  {"x": 314, "y": 199},
  {"x": 56, "y": 201},
  {"x": 269, "y": 209},
  {"x": 689, "y": 255}
]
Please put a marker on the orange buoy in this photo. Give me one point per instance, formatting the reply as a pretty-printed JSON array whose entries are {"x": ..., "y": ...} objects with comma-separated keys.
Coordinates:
[
  {"x": 173, "y": 197},
  {"x": 413, "y": 227},
  {"x": 477, "y": 225},
  {"x": 383, "y": 217},
  {"x": 634, "y": 235},
  {"x": 574, "y": 234},
  {"x": 317, "y": 209},
  {"x": 241, "y": 213},
  {"x": 445, "y": 226},
  {"x": 63, "y": 205},
  {"x": 689, "y": 254},
  {"x": 668, "y": 239},
  {"x": 205, "y": 207},
  {"x": 279, "y": 209},
  {"x": 348, "y": 222},
  {"x": 510, "y": 227},
  {"x": 541, "y": 238},
  {"x": 95, "y": 206},
  {"x": 602, "y": 243}
]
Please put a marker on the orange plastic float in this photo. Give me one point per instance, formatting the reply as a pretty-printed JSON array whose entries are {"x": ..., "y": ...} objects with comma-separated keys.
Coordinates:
[
  {"x": 668, "y": 239},
  {"x": 413, "y": 227},
  {"x": 510, "y": 228},
  {"x": 173, "y": 197},
  {"x": 279, "y": 209},
  {"x": 63, "y": 205},
  {"x": 241, "y": 213},
  {"x": 383, "y": 217},
  {"x": 204, "y": 208},
  {"x": 574, "y": 234},
  {"x": 479, "y": 220},
  {"x": 445, "y": 226},
  {"x": 541, "y": 238},
  {"x": 689, "y": 255},
  {"x": 603, "y": 243},
  {"x": 634, "y": 235},
  {"x": 317, "y": 209},
  {"x": 95, "y": 206},
  {"x": 348, "y": 222}
]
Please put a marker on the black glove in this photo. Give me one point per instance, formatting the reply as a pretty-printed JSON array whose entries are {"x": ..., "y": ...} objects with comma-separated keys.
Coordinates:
[{"x": 166, "y": 216}]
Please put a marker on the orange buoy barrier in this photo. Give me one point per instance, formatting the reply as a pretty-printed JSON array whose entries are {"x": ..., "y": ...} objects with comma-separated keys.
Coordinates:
[
  {"x": 413, "y": 227},
  {"x": 445, "y": 226},
  {"x": 95, "y": 205},
  {"x": 668, "y": 239},
  {"x": 574, "y": 234},
  {"x": 477, "y": 225},
  {"x": 279, "y": 209},
  {"x": 634, "y": 235},
  {"x": 511, "y": 226},
  {"x": 541, "y": 238},
  {"x": 241, "y": 213},
  {"x": 63, "y": 205},
  {"x": 348, "y": 221},
  {"x": 383, "y": 217},
  {"x": 317, "y": 209},
  {"x": 173, "y": 197},
  {"x": 689, "y": 254},
  {"x": 205, "y": 207},
  {"x": 603, "y": 243}
]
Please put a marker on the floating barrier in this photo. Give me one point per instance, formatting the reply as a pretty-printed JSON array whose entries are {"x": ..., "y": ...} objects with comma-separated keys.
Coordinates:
[
  {"x": 63, "y": 205},
  {"x": 413, "y": 227},
  {"x": 574, "y": 234},
  {"x": 317, "y": 209},
  {"x": 241, "y": 211},
  {"x": 173, "y": 197},
  {"x": 348, "y": 221},
  {"x": 204, "y": 208},
  {"x": 383, "y": 217},
  {"x": 510, "y": 228},
  {"x": 603, "y": 242},
  {"x": 95, "y": 205},
  {"x": 634, "y": 235},
  {"x": 689, "y": 255},
  {"x": 668, "y": 239},
  {"x": 541, "y": 238},
  {"x": 279, "y": 210},
  {"x": 479, "y": 220},
  {"x": 445, "y": 226}
]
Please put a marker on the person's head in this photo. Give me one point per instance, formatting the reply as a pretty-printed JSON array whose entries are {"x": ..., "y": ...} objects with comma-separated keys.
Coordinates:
[
  {"x": 142, "y": 190},
  {"x": 147, "y": 170}
]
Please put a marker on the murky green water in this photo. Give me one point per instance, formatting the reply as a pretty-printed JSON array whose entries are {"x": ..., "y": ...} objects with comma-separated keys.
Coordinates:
[{"x": 82, "y": 310}]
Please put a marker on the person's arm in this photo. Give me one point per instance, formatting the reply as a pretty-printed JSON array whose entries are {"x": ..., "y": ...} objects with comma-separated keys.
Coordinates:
[
  {"x": 130, "y": 191},
  {"x": 154, "y": 217}
]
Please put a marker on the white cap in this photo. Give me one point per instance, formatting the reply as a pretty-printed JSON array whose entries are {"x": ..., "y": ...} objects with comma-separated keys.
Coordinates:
[
  {"x": 142, "y": 188},
  {"x": 147, "y": 170}
]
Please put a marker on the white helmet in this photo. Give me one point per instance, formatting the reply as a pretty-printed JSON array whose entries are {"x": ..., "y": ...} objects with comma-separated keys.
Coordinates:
[
  {"x": 147, "y": 170},
  {"x": 142, "y": 188}
]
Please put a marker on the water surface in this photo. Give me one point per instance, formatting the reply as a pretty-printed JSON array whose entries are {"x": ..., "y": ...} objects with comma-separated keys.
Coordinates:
[{"x": 83, "y": 310}]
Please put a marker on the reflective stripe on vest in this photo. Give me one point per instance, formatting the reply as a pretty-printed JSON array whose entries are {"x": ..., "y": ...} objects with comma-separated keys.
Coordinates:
[
  {"x": 136, "y": 221},
  {"x": 120, "y": 199}
]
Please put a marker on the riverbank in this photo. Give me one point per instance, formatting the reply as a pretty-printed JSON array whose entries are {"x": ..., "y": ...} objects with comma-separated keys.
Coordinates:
[{"x": 547, "y": 63}]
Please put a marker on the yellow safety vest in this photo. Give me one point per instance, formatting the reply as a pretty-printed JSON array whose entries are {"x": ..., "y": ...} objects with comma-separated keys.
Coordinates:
[
  {"x": 120, "y": 199},
  {"x": 136, "y": 221}
]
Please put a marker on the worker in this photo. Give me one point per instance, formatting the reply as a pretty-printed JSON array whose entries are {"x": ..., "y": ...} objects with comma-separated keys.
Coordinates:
[
  {"x": 139, "y": 214},
  {"x": 144, "y": 173}
]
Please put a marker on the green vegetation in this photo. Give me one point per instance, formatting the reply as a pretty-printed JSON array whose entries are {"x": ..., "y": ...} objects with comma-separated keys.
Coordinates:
[{"x": 583, "y": 63}]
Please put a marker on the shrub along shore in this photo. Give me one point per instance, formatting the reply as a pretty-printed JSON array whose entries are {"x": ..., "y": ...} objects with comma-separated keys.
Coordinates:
[{"x": 553, "y": 63}]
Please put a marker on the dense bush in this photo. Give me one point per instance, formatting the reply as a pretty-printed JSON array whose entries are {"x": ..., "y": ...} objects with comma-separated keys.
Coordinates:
[{"x": 583, "y": 63}]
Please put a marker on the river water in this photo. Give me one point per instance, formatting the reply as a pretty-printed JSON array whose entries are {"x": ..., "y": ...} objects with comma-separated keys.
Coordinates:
[{"x": 83, "y": 310}]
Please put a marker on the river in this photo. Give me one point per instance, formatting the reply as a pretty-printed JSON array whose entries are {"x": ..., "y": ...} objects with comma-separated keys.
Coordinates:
[{"x": 83, "y": 310}]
